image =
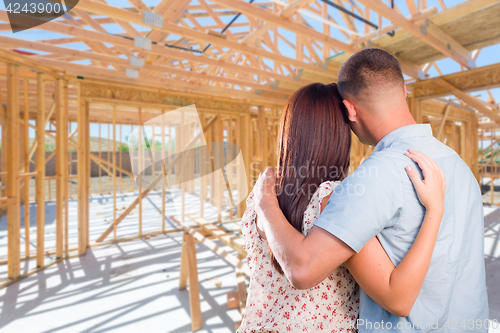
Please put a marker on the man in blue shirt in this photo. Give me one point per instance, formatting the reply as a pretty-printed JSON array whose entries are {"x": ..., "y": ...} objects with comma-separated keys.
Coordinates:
[{"x": 378, "y": 199}]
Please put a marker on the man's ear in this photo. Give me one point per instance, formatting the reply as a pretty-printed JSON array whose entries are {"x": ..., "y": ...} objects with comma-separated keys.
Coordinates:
[
  {"x": 406, "y": 91},
  {"x": 351, "y": 109}
]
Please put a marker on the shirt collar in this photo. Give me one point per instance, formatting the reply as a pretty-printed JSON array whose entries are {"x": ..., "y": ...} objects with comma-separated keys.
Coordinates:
[{"x": 408, "y": 131}]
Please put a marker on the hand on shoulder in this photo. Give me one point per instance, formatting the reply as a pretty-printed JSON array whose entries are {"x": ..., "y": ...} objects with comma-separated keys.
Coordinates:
[
  {"x": 431, "y": 189},
  {"x": 265, "y": 190}
]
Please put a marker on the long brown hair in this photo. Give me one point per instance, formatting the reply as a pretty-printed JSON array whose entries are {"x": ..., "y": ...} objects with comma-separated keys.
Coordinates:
[{"x": 314, "y": 143}]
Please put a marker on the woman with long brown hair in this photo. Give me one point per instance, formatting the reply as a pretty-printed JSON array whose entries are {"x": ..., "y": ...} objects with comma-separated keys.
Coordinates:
[{"x": 313, "y": 157}]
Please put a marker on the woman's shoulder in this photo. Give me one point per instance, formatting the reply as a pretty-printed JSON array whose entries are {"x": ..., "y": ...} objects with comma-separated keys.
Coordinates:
[
  {"x": 313, "y": 210},
  {"x": 248, "y": 218},
  {"x": 326, "y": 188}
]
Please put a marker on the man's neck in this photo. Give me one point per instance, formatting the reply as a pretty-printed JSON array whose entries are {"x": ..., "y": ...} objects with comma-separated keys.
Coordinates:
[{"x": 397, "y": 122}]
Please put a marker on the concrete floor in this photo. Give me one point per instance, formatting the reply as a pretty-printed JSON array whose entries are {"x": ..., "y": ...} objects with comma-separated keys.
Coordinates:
[
  {"x": 133, "y": 286},
  {"x": 101, "y": 216},
  {"x": 127, "y": 287}
]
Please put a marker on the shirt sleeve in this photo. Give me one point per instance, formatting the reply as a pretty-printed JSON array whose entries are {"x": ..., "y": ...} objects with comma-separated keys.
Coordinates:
[{"x": 367, "y": 201}]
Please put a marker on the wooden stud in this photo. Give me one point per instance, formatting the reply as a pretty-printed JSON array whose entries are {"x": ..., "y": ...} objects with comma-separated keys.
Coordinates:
[
  {"x": 183, "y": 271},
  {"x": 13, "y": 164},
  {"x": 232, "y": 300},
  {"x": 87, "y": 172},
  {"x": 114, "y": 170},
  {"x": 59, "y": 168},
  {"x": 218, "y": 176},
  {"x": 181, "y": 172},
  {"x": 108, "y": 157},
  {"x": 40, "y": 166},
  {"x": 141, "y": 156},
  {"x": 65, "y": 162},
  {"x": 443, "y": 122},
  {"x": 492, "y": 178},
  {"x": 26, "y": 159},
  {"x": 173, "y": 162},
  {"x": 242, "y": 290},
  {"x": 164, "y": 176},
  {"x": 100, "y": 189},
  {"x": 83, "y": 172},
  {"x": 203, "y": 167},
  {"x": 121, "y": 160},
  {"x": 194, "y": 289}
]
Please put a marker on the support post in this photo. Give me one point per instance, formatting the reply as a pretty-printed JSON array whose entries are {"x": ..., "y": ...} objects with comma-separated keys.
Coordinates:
[
  {"x": 114, "y": 171},
  {"x": 183, "y": 272},
  {"x": 218, "y": 176},
  {"x": 40, "y": 168},
  {"x": 194, "y": 287},
  {"x": 60, "y": 162},
  {"x": 141, "y": 156},
  {"x": 26, "y": 160},
  {"x": 82, "y": 170},
  {"x": 66, "y": 172},
  {"x": 13, "y": 164}
]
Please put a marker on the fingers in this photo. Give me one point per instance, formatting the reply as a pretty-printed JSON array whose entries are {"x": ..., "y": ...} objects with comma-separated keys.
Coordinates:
[
  {"x": 266, "y": 183},
  {"x": 421, "y": 160},
  {"x": 414, "y": 177},
  {"x": 427, "y": 165},
  {"x": 270, "y": 171},
  {"x": 429, "y": 160}
]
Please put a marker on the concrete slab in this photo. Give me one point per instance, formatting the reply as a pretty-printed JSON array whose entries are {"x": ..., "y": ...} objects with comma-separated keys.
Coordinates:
[{"x": 133, "y": 286}]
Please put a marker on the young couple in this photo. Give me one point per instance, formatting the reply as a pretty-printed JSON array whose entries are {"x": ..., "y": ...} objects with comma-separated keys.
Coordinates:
[{"x": 414, "y": 247}]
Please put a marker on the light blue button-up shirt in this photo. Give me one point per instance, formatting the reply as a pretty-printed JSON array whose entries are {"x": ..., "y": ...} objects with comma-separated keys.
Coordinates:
[{"x": 378, "y": 199}]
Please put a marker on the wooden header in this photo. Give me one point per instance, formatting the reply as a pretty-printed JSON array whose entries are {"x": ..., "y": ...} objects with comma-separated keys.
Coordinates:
[
  {"x": 472, "y": 80},
  {"x": 160, "y": 97}
]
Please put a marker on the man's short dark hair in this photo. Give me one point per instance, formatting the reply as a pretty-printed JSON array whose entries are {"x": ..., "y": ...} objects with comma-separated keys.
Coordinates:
[{"x": 369, "y": 69}]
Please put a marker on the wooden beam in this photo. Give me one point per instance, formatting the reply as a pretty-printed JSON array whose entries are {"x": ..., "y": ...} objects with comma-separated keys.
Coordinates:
[
  {"x": 7, "y": 201},
  {"x": 153, "y": 183},
  {"x": 292, "y": 7},
  {"x": 299, "y": 29},
  {"x": 61, "y": 136},
  {"x": 476, "y": 79},
  {"x": 102, "y": 163},
  {"x": 98, "y": 159},
  {"x": 285, "y": 23},
  {"x": 347, "y": 18},
  {"x": 66, "y": 172},
  {"x": 109, "y": 74},
  {"x": 390, "y": 27},
  {"x": 183, "y": 270},
  {"x": 40, "y": 167},
  {"x": 242, "y": 290},
  {"x": 114, "y": 166},
  {"x": 428, "y": 32},
  {"x": 194, "y": 287},
  {"x": 82, "y": 169},
  {"x": 13, "y": 164},
  {"x": 231, "y": 259},
  {"x": 156, "y": 49},
  {"x": 412, "y": 7},
  {"x": 125, "y": 63},
  {"x": 25, "y": 62},
  {"x": 26, "y": 167},
  {"x": 102, "y": 9},
  {"x": 468, "y": 99},
  {"x": 443, "y": 121}
]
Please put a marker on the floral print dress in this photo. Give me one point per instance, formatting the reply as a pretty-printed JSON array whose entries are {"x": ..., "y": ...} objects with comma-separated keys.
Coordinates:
[{"x": 274, "y": 305}]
